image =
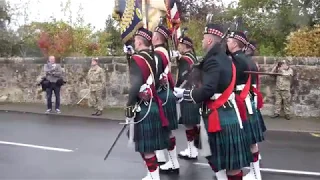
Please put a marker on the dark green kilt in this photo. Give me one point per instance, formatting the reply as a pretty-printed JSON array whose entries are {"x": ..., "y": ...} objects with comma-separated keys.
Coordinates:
[
  {"x": 230, "y": 148},
  {"x": 169, "y": 108},
  {"x": 263, "y": 125},
  {"x": 149, "y": 135},
  {"x": 253, "y": 127},
  {"x": 189, "y": 113}
]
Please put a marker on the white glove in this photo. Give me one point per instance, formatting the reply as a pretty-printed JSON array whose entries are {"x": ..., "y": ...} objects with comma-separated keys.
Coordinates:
[
  {"x": 178, "y": 92},
  {"x": 129, "y": 120},
  {"x": 175, "y": 54},
  {"x": 126, "y": 48}
]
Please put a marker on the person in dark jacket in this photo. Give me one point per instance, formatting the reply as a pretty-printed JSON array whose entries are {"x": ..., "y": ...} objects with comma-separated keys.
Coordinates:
[
  {"x": 223, "y": 141},
  {"x": 236, "y": 42}
]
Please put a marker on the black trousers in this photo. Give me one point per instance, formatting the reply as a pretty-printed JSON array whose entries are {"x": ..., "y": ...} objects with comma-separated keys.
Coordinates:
[{"x": 56, "y": 89}]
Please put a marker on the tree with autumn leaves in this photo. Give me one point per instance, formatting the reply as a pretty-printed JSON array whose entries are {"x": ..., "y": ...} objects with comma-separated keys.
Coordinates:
[
  {"x": 280, "y": 27},
  {"x": 304, "y": 42},
  {"x": 70, "y": 36},
  {"x": 55, "y": 38}
]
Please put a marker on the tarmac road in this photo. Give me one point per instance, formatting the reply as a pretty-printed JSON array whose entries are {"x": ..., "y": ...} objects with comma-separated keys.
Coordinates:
[{"x": 27, "y": 142}]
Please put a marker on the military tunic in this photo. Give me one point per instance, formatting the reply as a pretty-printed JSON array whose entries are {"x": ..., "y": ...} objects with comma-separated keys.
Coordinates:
[
  {"x": 252, "y": 125},
  {"x": 165, "y": 86},
  {"x": 150, "y": 134},
  {"x": 97, "y": 79},
  {"x": 189, "y": 112},
  {"x": 229, "y": 147}
]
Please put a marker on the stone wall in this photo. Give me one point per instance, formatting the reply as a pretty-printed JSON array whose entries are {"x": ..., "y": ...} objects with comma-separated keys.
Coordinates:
[{"x": 18, "y": 82}]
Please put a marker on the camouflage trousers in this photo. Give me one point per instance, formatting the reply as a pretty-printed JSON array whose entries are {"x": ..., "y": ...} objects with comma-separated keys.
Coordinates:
[
  {"x": 283, "y": 96},
  {"x": 96, "y": 99}
]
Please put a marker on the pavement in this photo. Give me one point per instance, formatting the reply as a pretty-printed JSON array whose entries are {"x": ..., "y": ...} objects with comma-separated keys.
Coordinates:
[
  {"x": 296, "y": 124},
  {"x": 37, "y": 146}
]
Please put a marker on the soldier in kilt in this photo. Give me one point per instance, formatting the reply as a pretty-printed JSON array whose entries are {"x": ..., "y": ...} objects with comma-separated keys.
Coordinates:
[
  {"x": 144, "y": 110},
  {"x": 165, "y": 92},
  {"x": 190, "y": 116},
  {"x": 252, "y": 51},
  {"x": 223, "y": 140},
  {"x": 258, "y": 99},
  {"x": 236, "y": 43}
]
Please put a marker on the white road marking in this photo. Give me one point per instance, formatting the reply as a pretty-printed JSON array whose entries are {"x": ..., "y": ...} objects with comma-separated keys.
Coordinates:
[
  {"x": 278, "y": 170},
  {"x": 36, "y": 146},
  {"x": 315, "y": 134}
]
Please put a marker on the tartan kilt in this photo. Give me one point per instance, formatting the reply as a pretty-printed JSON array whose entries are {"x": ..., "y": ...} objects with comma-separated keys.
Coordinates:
[
  {"x": 253, "y": 127},
  {"x": 169, "y": 108},
  {"x": 262, "y": 124},
  {"x": 149, "y": 135},
  {"x": 189, "y": 113},
  {"x": 230, "y": 148}
]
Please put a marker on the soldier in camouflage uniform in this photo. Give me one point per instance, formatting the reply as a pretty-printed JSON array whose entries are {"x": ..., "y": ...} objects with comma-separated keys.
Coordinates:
[
  {"x": 96, "y": 78},
  {"x": 283, "y": 84}
]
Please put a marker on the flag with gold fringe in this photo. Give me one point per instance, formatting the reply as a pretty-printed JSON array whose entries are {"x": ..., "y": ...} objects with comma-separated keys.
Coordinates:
[{"x": 129, "y": 15}]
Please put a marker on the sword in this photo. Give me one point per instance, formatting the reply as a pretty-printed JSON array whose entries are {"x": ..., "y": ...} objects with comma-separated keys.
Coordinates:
[{"x": 115, "y": 141}]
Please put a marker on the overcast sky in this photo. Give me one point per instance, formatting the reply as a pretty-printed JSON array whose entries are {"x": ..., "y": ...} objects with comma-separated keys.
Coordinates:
[{"x": 95, "y": 11}]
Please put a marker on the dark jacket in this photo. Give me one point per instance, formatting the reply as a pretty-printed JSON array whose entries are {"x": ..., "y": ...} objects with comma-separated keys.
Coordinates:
[
  {"x": 136, "y": 78},
  {"x": 216, "y": 74}
]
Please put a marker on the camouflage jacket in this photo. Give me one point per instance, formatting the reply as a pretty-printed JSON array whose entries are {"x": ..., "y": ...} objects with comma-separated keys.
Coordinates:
[
  {"x": 284, "y": 82},
  {"x": 96, "y": 78}
]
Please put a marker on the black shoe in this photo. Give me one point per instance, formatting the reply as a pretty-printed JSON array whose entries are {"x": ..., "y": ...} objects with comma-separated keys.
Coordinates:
[
  {"x": 160, "y": 163},
  {"x": 287, "y": 117},
  {"x": 187, "y": 157},
  {"x": 99, "y": 113},
  {"x": 275, "y": 116},
  {"x": 169, "y": 171},
  {"x": 95, "y": 113}
]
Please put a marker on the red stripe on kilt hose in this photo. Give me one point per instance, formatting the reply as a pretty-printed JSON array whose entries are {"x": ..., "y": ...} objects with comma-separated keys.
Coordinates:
[
  {"x": 190, "y": 134},
  {"x": 196, "y": 134},
  {"x": 238, "y": 176},
  {"x": 172, "y": 143},
  {"x": 255, "y": 156},
  {"x": 151, "y": 163}
]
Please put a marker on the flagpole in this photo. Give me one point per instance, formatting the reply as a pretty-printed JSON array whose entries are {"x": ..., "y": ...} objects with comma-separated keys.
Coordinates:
[{"x": 146, "y": 13}]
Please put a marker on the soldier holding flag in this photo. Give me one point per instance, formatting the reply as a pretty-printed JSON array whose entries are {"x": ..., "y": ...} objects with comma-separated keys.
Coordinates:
[
  {"x": 150, "y": 129},
  {"x": 144, "y": 112}
]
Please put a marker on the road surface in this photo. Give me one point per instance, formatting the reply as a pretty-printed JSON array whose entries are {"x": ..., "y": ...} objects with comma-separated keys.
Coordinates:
[{"x": 55, "y": 147}]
